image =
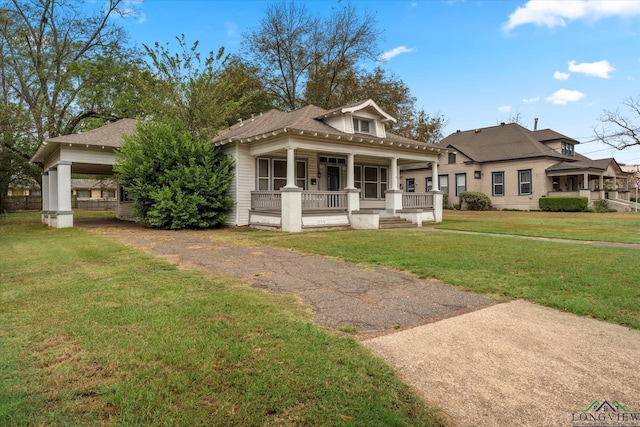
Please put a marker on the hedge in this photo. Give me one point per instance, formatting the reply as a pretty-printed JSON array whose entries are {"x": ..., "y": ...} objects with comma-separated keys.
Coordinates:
[{"x": 563, "y": 204}]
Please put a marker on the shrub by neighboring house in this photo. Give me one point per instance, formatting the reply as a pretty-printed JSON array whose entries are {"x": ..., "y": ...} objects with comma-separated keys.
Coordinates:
[{"x": 516, "y": 166}]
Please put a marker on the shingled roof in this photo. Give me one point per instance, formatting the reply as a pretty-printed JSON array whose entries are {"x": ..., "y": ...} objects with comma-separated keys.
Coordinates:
[
  {"x": 305, "y": 119},
  {"x": 109, "y": 135},
  {"x": 503, "y": 142},
  {"x": 584, "y": 163}
]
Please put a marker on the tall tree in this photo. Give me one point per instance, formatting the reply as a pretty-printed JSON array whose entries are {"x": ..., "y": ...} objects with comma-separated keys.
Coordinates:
[
  {"x": 307, "y": 59},
  {"x": 620, "y": 129},
  {"x": 204, "y": 93},
  {"x": 281, "y": 47},
  {"x": 52, "y": 53},
  {"x": 297, "y": 50}
]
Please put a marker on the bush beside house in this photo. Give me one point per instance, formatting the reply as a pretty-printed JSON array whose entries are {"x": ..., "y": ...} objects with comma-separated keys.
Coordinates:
[
  {"x": 474, "y": 201},
  {"x": 176, "y": 180}
]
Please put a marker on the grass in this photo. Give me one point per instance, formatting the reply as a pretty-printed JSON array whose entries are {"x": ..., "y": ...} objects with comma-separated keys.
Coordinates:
[
  {"x": 96, "y": 333},
  {"x": 608, "y": 227},
  {"x": 596, "y": 281}
]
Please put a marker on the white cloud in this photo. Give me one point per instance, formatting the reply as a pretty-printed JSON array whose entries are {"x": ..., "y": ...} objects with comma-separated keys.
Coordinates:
[
  {"x": 557, "y": 13},
  {"x": 231, "y": 27},
  {"x": 561, "y": 76},
  {"x": 531, "y": 100},
  {"x": 597, "y": 69},
  {"x": 565, "y": 96},
  {"x": 414, "y": 4},
  {"x": 394, "y": 52},
  {"x": 504, "y": 108}
]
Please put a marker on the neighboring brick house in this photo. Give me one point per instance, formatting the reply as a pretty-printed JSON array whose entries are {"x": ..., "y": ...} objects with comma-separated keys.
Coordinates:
[{"x": 515, "y": 166}]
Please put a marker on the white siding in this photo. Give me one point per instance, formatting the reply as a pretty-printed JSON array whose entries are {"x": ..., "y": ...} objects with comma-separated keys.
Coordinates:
[{"x": 242, "y": 184}]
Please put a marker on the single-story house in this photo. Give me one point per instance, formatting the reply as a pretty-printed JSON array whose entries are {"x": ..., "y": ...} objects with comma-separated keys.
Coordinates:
[
  {"x": 94, "y": 189},
  {"x": 295, "y": 170},
  {"x": 515, "y": 166}
]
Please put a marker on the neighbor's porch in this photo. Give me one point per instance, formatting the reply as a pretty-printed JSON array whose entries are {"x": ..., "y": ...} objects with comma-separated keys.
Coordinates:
[{"x": 593, "y": 186}]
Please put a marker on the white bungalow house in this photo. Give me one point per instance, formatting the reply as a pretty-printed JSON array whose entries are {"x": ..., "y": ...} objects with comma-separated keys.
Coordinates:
[
  {"x": 313, "y": 167},
  {"x": 293, "y": 170}
]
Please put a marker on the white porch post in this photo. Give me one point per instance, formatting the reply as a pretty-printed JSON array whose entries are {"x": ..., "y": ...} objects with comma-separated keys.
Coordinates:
[
  {"x": 585, "y": 184},
  {"x": 45, "y": 198},
  {"x": 53, "y": 197},
  {"x": 353, "y": 194},
  {"x": 435, "y": 182},
  {"x": 350, "y": 174},
  {"x": 64, "y": 213},
  {"x": 393, "y": 196},
  {"x": 291, "y": 198},
  {"x": 394, "y": 173},
  {"x": 291, "y": 167}
]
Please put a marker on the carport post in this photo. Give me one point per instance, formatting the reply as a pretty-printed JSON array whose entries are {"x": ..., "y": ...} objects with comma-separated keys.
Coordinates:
[
  {"x": 64, "y": 213},
  {"x": 45, "y": 198}
]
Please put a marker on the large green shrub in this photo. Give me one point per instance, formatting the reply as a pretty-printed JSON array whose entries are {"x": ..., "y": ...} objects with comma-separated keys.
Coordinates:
[
  {"x": 176, "y": 180},
  {"x": 563, "y": 204},
  {"x": 474, "y": 201}
]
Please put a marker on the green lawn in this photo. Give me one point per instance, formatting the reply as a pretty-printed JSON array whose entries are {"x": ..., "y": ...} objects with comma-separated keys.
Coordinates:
[
  {"x": 601, "y": 282},
  {"x": 96, "y": 333},
  {"x": 608, "y": 227}
]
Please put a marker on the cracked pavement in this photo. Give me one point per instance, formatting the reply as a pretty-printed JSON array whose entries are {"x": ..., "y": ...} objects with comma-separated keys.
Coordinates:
[{"x": 341, "y": 294}]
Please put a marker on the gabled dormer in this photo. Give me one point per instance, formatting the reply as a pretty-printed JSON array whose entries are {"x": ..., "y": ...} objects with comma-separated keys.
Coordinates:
[{"x": 364, "y": 117}]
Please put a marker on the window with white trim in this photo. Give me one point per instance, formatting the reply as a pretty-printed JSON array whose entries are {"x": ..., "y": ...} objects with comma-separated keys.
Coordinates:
[
  {"x": 524, "y": 182},
  {"x": 443, "y": 183},
  {"x": 361, "y": 125},
  {"x": 497, "y": 183},
  {"x": 428, "y": 183},
  {"x": 272, "y": 174}
]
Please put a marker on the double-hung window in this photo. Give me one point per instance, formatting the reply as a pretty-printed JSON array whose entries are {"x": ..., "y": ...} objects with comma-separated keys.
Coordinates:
[
  {"x": 443, "y": 183},
  {"x": 272, "y": 174},
  {"x": 461, "y": 183},
  {"x": 497, "y": 183},
  {"x": 361, "y": 125},
  {"x": 524, "y": 181},
  {"x": 428, "y": 183}
]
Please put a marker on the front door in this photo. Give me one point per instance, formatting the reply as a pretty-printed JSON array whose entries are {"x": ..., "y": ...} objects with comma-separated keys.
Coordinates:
[{"x": 333, "y": 178}]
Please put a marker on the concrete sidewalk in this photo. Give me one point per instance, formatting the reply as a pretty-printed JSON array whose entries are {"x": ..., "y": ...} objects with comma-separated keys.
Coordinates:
[{"x": 517, "y": 364}]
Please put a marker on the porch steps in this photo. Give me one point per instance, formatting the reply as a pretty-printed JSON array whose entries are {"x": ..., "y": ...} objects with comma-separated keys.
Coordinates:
[{"x": 394, "y": 222}]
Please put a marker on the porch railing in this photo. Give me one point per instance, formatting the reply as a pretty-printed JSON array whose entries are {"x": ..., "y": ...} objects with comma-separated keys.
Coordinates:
[
  {"x": 417, "y": 200},
  {"x": 324, "y": 200},
  {"x": 266, "y": 200},
  {"x": 311, "y": 200}
]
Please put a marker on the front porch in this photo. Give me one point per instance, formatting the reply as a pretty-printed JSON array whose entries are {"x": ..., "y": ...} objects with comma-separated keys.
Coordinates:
[{"x": 337, "y": 209}]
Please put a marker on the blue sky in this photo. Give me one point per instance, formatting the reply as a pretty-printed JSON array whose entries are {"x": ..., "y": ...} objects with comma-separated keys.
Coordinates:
[{"x": 476, "y": 62}]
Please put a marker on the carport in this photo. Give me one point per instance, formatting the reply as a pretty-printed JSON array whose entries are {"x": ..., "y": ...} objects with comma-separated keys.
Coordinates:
[{"x": 92, "y": 153}]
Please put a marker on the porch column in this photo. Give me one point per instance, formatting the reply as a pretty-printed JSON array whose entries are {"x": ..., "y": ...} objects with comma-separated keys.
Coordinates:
[
  {"x": 601, "y": 186},
  {"x": 53, "y": 197},
  {"x": 435, "y": 184},
  {"x": 45, "y": 198},
  {"x": 64, "y": 213},
  {"x": 291, "y": 168},
  {"x": 394, "y": 174},
  {"x": 350, "y": 168},
  {"x": 291, "y": 210},
  {"x": 393, "y": 196},
  {"x": 585, "y": 184},
  {"x": 353, "y": 194}
]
